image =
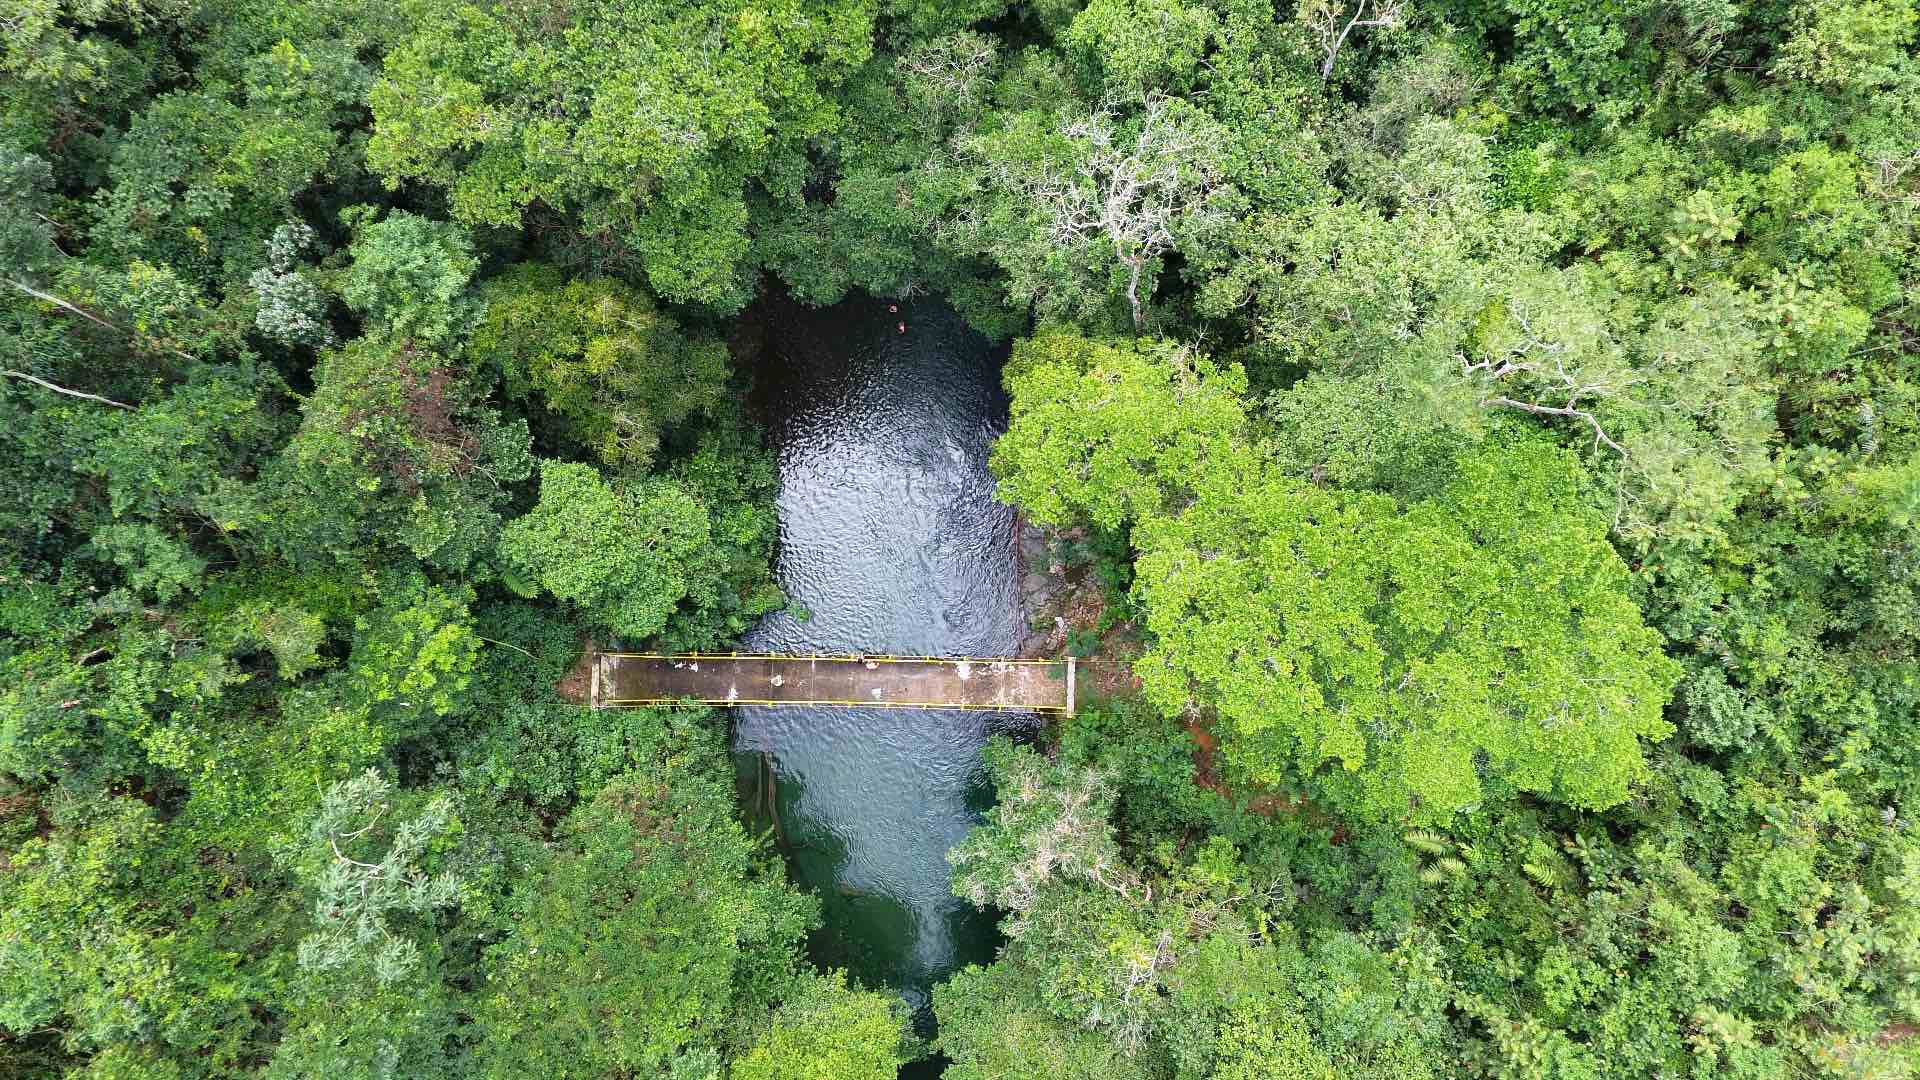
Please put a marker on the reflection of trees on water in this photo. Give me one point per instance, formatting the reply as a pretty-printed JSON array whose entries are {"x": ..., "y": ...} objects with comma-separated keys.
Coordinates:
[{"x": 870, "y": 929}]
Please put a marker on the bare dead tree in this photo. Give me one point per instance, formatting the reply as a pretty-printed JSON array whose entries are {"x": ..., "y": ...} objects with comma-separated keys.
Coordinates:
[
  {"x": 1138, "y": 195},
  {"x": 950, "y": 72},
  {"x": 1541, "y": 360},
  {"x": 1332, "y": 24}
]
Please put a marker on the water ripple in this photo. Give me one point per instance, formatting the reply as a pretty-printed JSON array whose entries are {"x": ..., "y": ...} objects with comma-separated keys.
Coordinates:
[{"x": 891, "y": 539}]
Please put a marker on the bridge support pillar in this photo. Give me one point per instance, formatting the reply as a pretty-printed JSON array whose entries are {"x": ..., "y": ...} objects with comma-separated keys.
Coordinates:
[{"x": 1070, "y": 684}]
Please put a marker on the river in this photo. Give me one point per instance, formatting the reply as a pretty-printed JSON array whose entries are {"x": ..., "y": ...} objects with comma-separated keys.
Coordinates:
[{"x": 890, "y": 542}]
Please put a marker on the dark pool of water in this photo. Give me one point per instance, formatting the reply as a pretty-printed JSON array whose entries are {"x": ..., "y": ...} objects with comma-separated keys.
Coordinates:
[{"x": 892, "y": 543}]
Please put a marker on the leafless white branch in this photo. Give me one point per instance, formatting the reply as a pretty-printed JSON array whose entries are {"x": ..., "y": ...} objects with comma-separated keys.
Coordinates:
[{"x": 63, "y": 390}]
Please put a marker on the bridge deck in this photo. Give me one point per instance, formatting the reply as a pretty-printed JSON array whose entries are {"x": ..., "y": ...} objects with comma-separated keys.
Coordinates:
[{"x": 907, "y": 682}]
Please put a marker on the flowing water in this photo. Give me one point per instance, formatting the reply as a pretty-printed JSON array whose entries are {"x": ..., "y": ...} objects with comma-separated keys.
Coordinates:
[{"x": 891, "y": 542}]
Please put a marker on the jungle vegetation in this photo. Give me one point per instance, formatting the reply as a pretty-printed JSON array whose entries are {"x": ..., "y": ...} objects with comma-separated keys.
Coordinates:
[{"x": 1502, "y": 417}]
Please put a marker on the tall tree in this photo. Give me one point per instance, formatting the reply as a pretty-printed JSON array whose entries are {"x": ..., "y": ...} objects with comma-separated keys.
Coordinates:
[
  {"x": 1113, "y": 431},
  {"x": 615, "y": 369},
  {"x": 1484, "y": 636},
  {"x": 649, "y": 121}
]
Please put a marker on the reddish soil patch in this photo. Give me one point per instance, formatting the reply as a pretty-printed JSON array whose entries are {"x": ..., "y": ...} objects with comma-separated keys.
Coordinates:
[
  {"x": 577, "y": 685},
  {"x": 1206, "y": 753},
  {"x": 1206, "y": 774}
]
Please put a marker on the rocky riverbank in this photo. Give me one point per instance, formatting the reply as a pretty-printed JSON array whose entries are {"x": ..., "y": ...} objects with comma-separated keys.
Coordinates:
[{"x": 1044, "y": 590}]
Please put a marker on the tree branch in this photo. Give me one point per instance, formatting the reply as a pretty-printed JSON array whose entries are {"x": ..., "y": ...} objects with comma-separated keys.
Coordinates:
[
  {"x": 64, "y": 390},
  {"x": 1599, "y": 433},
  {"x": 68, "y": 305},
  {"x": 63, "y": 304}
]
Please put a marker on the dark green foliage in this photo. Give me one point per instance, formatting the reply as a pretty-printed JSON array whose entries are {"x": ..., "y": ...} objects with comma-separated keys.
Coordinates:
[
  {"x": 1501, "y": 422},
  {"x": 279, "y": 732},
  {"x": 655, "y": 934},
  {"x": 619, "y": 552},
  {"x": 1143, "y": 958},
  {"x": 615, "y": 370}
]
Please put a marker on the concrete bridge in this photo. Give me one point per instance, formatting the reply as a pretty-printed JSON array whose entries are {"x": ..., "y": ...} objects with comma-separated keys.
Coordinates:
[{"x": 894, "y": 682}]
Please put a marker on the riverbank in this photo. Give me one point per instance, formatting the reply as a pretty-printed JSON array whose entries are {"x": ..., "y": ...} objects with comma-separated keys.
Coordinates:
[{"x": 1066, "y": 607}]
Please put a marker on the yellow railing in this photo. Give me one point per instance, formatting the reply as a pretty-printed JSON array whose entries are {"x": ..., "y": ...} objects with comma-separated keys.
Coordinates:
[
  {"x": 841, "y": 657},
  {"x": 832, "y": 703}
]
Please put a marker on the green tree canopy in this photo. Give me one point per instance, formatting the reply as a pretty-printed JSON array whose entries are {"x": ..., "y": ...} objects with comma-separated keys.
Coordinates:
[
  {"x": 825, "y": 1030},
  {"x": 1485, "y": 632},
  {"x": 648, "y": 120},
  {"x": 602, "y": 357},
  {"x": 619, "y": 551},
  {"x": 1109, "y": 431},
  {"x": 647, "y": 937},
  {"x": 409, "y": 278}
]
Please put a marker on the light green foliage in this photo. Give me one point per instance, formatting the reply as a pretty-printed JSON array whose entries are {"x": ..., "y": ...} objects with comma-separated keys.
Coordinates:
[
  {"x": 290, "y": 633},
  {"x": 1368, "y": 432},
  {"x": 408, "y": 277},
  {"x": 620, "y": 552},
  {"x": 602, "y": 357},
  {"x": 1108, "y": 432},
  {"x": 414, "y": 655},
  {"x": 826, "y": 1031},
  {"x": 67, "y": 718},
  {"x": 669, "y": 111},
  {"x": 361, "y": 889},
  {"x": 1491, "y": 622},
  {"x": 1847, "y": 46}
]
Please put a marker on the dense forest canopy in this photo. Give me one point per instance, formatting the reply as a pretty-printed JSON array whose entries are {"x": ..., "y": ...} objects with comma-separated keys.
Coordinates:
[{"x": 1498, "y": 419}]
